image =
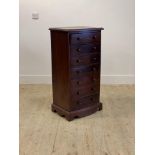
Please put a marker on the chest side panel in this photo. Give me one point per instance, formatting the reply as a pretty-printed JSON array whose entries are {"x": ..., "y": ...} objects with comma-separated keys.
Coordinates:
[{"x": 60, "y": 69}]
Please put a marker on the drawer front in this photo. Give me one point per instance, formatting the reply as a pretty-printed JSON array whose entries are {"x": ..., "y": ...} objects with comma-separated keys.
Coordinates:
[
  {"x": 85, "y": 60},
  {"x": 83, "y": 49},
  {"x": 85, "y": 102},
  {"x": 85, "y": 81},
  {"x": 85, "y": 37},
  {"x": 84, "y": 91},
  {"x": 85, "y": 70}
]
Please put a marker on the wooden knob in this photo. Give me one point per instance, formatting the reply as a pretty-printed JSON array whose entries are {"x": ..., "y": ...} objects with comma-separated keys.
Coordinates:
[
  {"x": 78, "y": 82},
  {"x": 94, "y": 48},
  {"x": 77, "y": 72},
  {"x": 91, "y": 98},
  {"x": 92, "y": 89},
  {"x": 77, "y": 60},
  {"x": 78, "y": 38},
  {"x": 94, "y": 58},
  {"x": 93, "y": 79},
  {"x": 77, "y": 92},
  {"x": 78, "y": 49},
  {"x": 93, "y": 69},
  {"x": 77, "y": 102},
  {"x": 94, "y": 37}
]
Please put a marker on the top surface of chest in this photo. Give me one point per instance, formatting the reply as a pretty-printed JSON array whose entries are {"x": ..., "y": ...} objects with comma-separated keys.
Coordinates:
[{"x": 76, "y": 29}]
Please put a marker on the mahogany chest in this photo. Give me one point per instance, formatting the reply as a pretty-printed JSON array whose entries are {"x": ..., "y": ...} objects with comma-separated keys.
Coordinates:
[{"x": 76, "y": 59}]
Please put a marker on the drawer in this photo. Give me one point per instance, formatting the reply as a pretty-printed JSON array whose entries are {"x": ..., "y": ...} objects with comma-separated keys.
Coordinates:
[
  {"x": 85, "y": 102},
  {"x": 85, "y": 70},
  {"x": 85, "y": 60},
  {"x": 78, "y": 38},
  {"x": 78, "y": 93},
  {"x": 85, "y": 80},
  {"x": 83, "y": 49}
]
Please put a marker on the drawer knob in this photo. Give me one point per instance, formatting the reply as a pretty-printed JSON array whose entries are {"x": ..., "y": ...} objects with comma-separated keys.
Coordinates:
[
  {"x": 77, "y": 60},
  {"x": 92, "y": 89},
  {"x": 94, "y": 58},
  {"x": 78, "y": 49},
  {"x": 94, "y": 48},
  {"x": 77, "y": 72},
  {"x": 94, "y": 69},
  {"x": 78, "y": 82},
  {"x": 78, "y": 38},
  {"x": 93, "y": 79},
  {"x": 77, "y": 102},
  {"x": 94, "y": 37},
  {"x": 77, "y": 92},
  {"x": 92, "y": 99}
]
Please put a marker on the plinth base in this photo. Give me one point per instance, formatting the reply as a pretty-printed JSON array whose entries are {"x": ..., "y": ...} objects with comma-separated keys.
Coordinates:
[{"x": 70, "y": 115}]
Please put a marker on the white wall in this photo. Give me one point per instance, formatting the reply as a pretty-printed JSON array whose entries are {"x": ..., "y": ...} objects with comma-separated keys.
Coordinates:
[{"x": 116, "y": 16}]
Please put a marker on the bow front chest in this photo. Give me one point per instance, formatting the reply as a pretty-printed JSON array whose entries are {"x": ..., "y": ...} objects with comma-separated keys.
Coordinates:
[{"x": 76, "y": 58}]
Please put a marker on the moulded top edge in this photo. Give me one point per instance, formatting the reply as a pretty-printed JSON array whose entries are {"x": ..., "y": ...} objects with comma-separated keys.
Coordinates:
[{"x": 78, "y": 28}]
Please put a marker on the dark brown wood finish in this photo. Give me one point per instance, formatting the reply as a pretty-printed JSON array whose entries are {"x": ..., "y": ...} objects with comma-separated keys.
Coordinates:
[
  {"x": 60, "y": 69},
  {"x": 76, "y": 55},
  {"x": 83, "y": 49},
  {"x": 85, "y": 60}
]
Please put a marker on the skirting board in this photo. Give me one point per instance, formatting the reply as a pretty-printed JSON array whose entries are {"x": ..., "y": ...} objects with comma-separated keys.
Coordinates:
[{"x": 105, "y": 79}]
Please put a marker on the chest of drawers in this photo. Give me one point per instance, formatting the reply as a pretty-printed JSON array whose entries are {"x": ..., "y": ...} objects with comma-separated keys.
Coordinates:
[{"x": 76, "y": 56}]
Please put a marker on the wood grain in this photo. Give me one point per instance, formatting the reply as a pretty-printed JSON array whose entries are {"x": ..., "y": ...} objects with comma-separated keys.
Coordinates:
[
  {"x": 107, "y": 132},
  {"x": 64, "y": 43}
]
